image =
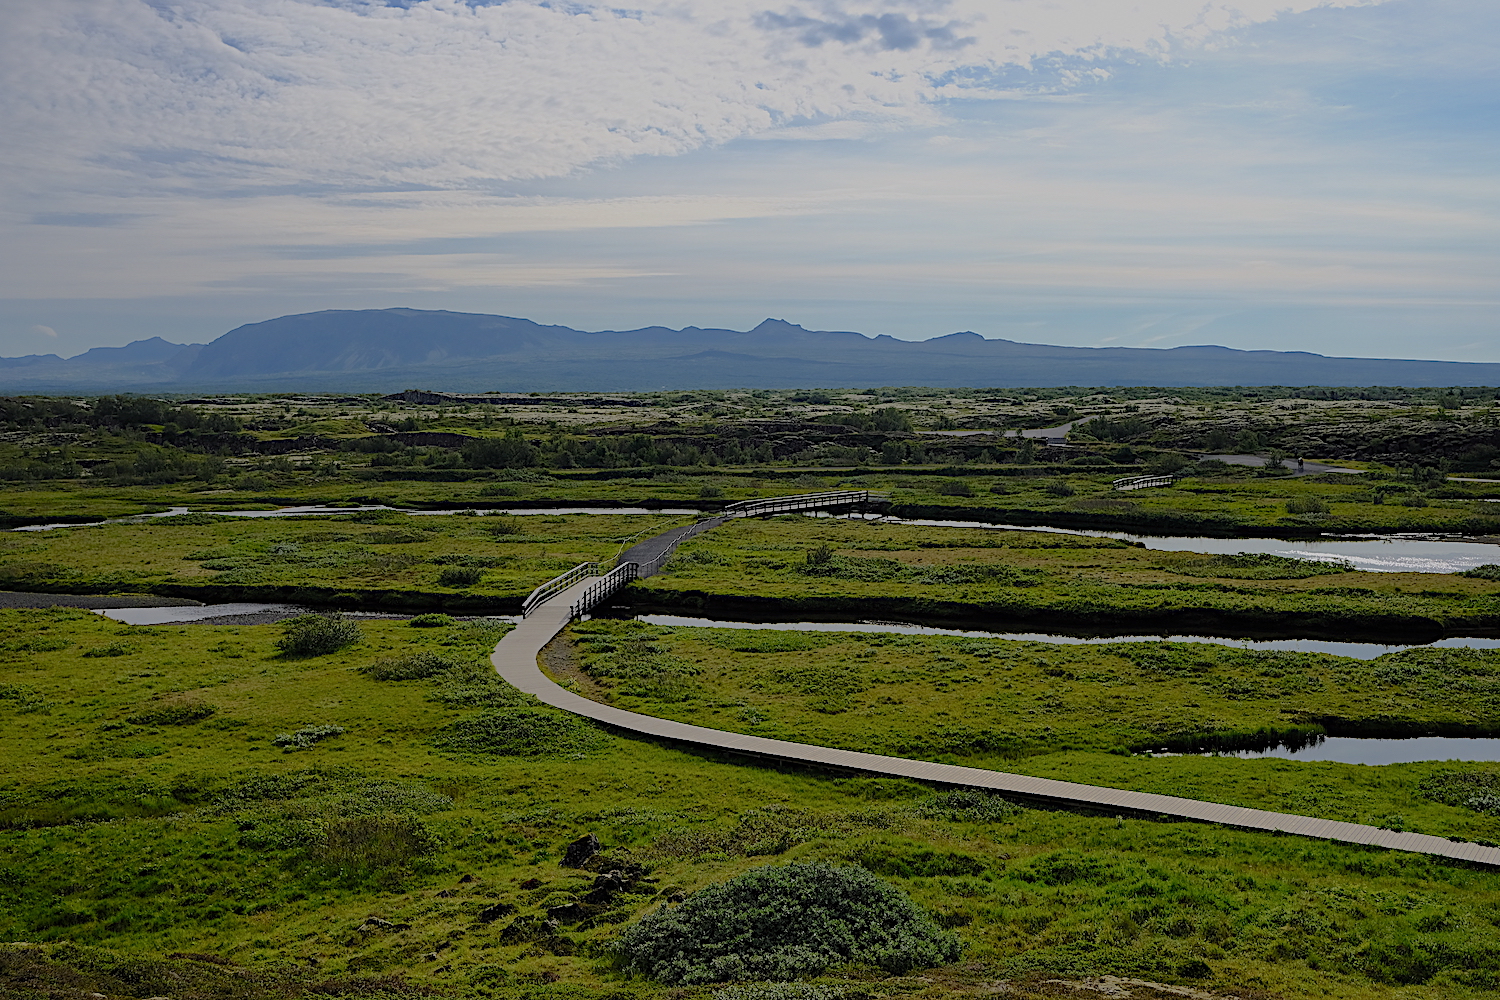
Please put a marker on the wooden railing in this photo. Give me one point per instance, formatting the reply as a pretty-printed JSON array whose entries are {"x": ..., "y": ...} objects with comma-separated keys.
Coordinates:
[
  {"x": 557, "y": 585},
  {"x": 604, "y": 586},
  {"x": 1143, "y": 482},
  {"x": 804, "y": 501}
]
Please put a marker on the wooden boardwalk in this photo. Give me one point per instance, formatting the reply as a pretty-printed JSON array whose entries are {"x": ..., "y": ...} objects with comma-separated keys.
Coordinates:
[{"x": 515, "y": 659}]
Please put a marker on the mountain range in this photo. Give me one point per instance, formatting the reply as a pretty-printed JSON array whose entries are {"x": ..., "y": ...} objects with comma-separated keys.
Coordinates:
[{"x": 385, "y": 350}]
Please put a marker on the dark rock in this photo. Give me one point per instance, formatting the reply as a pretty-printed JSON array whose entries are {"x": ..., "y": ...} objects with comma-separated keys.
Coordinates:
[
  {"x": 490, "y": 914},
  {"x": 676, "y": 897},
  {"x": 444, "y": 893},
  {"x": 468, "y": 878},
  {"x": 606, "y": 886},
  {"x": 568, "y": 913},
  {"x": 580, "y": 850},
  {"x": 532, "y": 883}
]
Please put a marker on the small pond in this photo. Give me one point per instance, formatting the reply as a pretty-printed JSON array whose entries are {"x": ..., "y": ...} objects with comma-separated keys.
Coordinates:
[{"x": 1376, "y": 751}]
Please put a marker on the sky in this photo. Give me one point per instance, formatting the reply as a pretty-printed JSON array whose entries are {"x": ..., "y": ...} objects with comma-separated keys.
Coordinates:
[{"x": 1261, "y": 174}]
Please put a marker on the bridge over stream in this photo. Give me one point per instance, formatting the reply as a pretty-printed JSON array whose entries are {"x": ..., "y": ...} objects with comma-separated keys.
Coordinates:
[{"x": 556, "y": 603}]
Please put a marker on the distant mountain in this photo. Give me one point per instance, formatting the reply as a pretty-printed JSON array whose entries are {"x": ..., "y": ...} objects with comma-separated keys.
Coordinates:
[{"x": 390, "y": 349}]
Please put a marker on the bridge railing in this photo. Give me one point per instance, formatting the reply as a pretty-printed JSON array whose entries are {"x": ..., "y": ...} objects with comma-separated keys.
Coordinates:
[
  {"x": 804, "y": 501},
  {"x": 1143, "y": 482},
  {"x": 557, "y": 585},
  {"x": 604, "y": 586}
]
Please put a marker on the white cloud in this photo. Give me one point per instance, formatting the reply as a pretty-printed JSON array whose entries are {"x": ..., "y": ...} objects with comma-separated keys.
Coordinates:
[
  {"x": 45, "y": 331},
  {"x": 204, "y": 94}
]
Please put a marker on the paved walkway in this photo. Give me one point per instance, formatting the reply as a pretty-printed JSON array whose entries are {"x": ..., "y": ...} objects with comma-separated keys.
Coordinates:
[{"x": 515, "y": 660}]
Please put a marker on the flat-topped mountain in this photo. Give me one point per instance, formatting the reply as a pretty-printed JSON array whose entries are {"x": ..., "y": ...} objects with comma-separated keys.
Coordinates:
[{"x": 390, "y": 349}]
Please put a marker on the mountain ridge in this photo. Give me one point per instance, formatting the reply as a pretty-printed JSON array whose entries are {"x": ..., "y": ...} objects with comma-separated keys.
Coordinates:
[{"x": 391, "y": 349}]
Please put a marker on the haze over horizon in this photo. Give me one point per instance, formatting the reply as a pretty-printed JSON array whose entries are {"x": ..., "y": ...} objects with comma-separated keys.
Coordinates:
[{"x": 1285, "y": 175}]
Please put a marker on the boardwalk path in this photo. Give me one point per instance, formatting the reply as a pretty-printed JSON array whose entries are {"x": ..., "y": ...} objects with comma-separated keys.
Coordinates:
[{"x": 515, "y": 660}]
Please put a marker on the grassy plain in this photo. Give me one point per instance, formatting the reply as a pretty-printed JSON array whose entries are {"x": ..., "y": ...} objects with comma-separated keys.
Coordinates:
[
  {"x": 373, "y": 559},
  {"x": 1235, "y": 502},
  {"x": 852, "y": 567},
  {"x": 1075, "y": 712},
  {"x": 154, "y": 847}
]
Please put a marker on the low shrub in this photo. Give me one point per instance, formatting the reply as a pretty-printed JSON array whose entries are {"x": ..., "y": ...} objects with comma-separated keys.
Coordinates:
[
  {"x": 180, "y": 713},
  {"x": 315, "y": 635},
  {"x": 431, "y": 621},
  {"x": 1307, "y": 505},
  {"x": 113, "y": 649},
  {"x": 783, "y": 924},
  {"x": 520, "y": 732},
  {"x": 460, "y": 576},
  {"x": 1489, "y": 571},
  {"x": 411, "y": 667},
  {"x": 955, "y": 488},
  {"x": 306, "y": 737}
]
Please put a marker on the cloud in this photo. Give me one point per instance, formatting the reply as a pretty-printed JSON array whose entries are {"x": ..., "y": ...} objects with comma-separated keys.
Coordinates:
[
  {"x": 45, "y": 331},
  {"x": 224, "y": 96}
]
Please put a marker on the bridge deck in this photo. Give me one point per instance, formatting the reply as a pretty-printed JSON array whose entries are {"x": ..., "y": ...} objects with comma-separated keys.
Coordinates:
[{"x": 515, "y": 660}]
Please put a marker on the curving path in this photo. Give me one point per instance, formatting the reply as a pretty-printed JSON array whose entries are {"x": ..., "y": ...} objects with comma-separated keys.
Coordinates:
[{"x": 515, "y": 660}]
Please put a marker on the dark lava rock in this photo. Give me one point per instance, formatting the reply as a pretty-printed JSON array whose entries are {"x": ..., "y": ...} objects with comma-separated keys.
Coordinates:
[
  {"x": 580, "y": 850},
  {"x": 532, "y": 883},
  {"x": 468, "y": 878},
  {"x": 490, "y": 914},
  {"x": 568, "y": 913}
]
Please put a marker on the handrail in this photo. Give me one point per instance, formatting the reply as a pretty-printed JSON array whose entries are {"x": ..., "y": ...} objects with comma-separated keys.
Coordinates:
[
  {"x": 803, "y": 501},
  {"x": 603, "y": 587},
  {"x": 557, "y": 584},
  {"x": 1143, "y": 482}
]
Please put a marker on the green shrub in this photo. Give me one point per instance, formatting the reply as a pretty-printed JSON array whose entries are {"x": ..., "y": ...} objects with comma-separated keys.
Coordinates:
[
  {"x": 710, "y": 493},
  {"x": 1489, "y": 571},
  {"x": 314, "y": 635},
  {"x": 1306, "y": 505},
  {"x": 411, "y": 667},
  {"x": 520, "y": 732},
  {"x": 782, "y": 924},
  {"x": 460, "y": 576},
  {"x": 179, "y": 713},
  {"x": 113, "y": 649},
  {"x": 306, "y": 737},
  {"x": 431, "y": 621},
  {"x": 955, "y": 488},
  {"x": 1059, "y": 489}
]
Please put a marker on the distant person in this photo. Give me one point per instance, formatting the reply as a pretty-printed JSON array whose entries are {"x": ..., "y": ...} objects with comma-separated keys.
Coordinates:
[{"x": 1299, "y": 464}]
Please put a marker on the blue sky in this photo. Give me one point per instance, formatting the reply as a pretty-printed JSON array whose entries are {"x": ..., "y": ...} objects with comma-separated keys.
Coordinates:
[{"x": 1278, "y": 174}]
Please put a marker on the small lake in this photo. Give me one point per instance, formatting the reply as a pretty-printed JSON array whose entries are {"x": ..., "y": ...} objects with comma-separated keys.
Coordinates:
[
  {"x": 1404, "y": 553},
  {"x": 1375, "y": 751},
  {"x": 1356, "y": 650}
]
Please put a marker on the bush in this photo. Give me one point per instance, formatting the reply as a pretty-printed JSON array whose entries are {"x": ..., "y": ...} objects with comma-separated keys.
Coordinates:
[
  {"x": 1306, "y": 505},
  {"x": 179, "y": 713},
  {"x": 520, "y": 733},
  {"x": 1059, "y": 489},
  {"x": 314, "y": 635},
  {"x": 412, "y": 667},
  {"x": 1489, "y": 571},
  {"x": 306, "y": 737},
  {"x": 460, "y": 576},
  {"x": 782, "y": 924},
  {"x": 710, "y": 493},
  {"x": 955, "y": 488},
  {"x": 431, "y": 621}
]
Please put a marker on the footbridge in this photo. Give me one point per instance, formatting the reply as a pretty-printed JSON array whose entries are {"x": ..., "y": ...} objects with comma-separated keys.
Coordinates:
[{"x": 557, "y": 602}]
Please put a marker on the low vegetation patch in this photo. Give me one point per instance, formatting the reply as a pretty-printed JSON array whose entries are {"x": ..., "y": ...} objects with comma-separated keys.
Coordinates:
[
  {"x": 785, "y": 923},
  {"x": 521, "y": 733},
  {"x": 316, "y": 635}
]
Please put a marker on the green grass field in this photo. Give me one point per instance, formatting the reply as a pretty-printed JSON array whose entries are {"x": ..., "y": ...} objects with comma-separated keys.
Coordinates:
[
  {"x": 180, "y": 817},
  {"x": 373, "y": 558},
  {"x": 864, "y": 569}
]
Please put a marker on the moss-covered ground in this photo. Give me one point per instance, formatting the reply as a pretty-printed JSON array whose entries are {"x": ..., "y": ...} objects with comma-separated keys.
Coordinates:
[{"x": 166, "y": 832}]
